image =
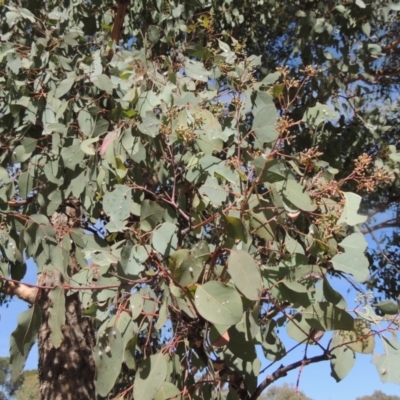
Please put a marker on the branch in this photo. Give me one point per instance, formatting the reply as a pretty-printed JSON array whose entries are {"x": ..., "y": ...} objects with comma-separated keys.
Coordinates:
[
  {"x": 382, "y": 206},
  {"x": 122, "y": 9},
  {"x": 392, "y": 46},
  {"x": 393, "y": 223},
  {"x": 21, "y": 290},
  {"x": 282, "y": 371},
  {"x": 374, "y": 76},
  {"x": 371, "y": 232}
]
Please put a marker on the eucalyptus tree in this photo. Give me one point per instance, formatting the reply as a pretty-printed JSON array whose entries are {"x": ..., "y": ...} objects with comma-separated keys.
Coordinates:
[{"x": 187, "y": 177}]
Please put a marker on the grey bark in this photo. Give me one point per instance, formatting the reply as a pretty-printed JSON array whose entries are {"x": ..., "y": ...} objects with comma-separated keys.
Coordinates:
[{"x": 66, "y": 372}]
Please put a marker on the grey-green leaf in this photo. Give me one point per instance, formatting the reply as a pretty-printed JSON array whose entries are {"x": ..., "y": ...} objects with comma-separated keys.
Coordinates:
[
  {"x": 165, "y": 239},
  {"x": 319, "y": 114},
  {"x": 343, "y": 361},
  {"x": 151, "y": 214},
  {"x": 23, "y": 338},
  {"x": 214, "y": 191},
  {"x": 117, "y": 203},
  {"x": 357, "y": 265},
  {"x": 103, "y": 82},
  {"x": 108, "y": 356},
  {"x": 245, "y": 274},
  {"x": 388, "y": 364},
  {"x": 295, "y": 194},
  {"x": 150, "y": 377},
  {"x": 219, "y": 303},
  {"x": 64, "y": 87},
  {"x": 264, "y": 124},
  {"x": 168, "y": 391},
  {"x": 327, "y": 317},
  {"x": 350, "y": 214}
]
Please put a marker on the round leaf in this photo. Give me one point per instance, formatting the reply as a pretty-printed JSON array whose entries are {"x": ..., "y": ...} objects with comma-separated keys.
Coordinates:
[
  {"x": 294, "y": 193},
  {"x": 357, "y": 265},
  {"x": 245, "y": 274},
  {"x": 165, "y": 239},
  {"x": 264, "y": 124},
  {"x": 219, "y": 303}
]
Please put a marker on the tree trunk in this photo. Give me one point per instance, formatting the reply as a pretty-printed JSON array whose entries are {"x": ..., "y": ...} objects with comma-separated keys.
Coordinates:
[{"x": 66, "y": 372}]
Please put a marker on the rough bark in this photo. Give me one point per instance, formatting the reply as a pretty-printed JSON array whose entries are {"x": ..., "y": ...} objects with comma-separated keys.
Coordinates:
[{"x": 66, "y": 372}]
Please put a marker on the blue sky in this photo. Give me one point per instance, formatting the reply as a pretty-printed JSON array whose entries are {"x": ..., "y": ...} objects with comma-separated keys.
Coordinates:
[{"x": 315, "y": 380}]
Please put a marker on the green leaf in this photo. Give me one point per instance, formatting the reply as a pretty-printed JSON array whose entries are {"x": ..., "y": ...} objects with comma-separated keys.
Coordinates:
[
  {"x": 388, "y": 364},
  {"x": 153, "y": 33},
  {"x": 151, "y": 124},
  {"x": 327, "y": 317},
  {"x": 354, "y": 244},
  {"x": 136, "y": 303},
  {"x": 332, "y": 296},
  {"x": 151, "y": 214},
  {"x": 293, "y": 246},
  {"x": 272, "y": 345},
  {"x": 103, "y": 82},
  {"x": 271, "y": 78},
  {"x": 108, "y": 355},
  {"x": 350, "y": 214},
  {"x": 235, "y": 228},
  {"x": 214, "y": 191},
  {"x": 197, "y": 50},
  {"x": 361, "y": 339},
  {"x": 150, "y": 377},
  {"x": 117, "y": 203},
  {"x": 86, "y": 123},
  {"x": 295, "y": 194},
  {"x": 165, "y": 239},
  {"x": 298, "y": 328},
  {"x": 86, "y": 146},
  {"x": 168, "y": 391},
  {"x": 56, "y": 315},
  {"x": 23, "y": 338},
  {"x": 388, "y": 307},
  {"x": 72, "y": 156},
  {"x": 184, "y": 267},
  {"x": 264, "y": 124},
  {"x": 201, "y": 252},
  {"x": 394, "y": 6},
  {"x": 147, "y": 102},
  {"x": 132, "y": 259},
  {"x": 195, "y": 69},
  {"x": 129, "y": 352},
  {"x": 319, "y": 114},
  {"x": 245, "y": 274},
  {"x": 64, "y": 87},
  {"x": 219, "y": 303},
  {"x": 344, "y": 359},
  {"x": 357, "y": 265}
]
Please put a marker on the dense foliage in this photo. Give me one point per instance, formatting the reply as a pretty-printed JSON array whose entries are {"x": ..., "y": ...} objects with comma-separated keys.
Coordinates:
[{"x": 218, "y": 155}]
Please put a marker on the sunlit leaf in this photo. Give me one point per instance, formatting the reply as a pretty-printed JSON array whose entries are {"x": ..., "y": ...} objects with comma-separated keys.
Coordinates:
[
  {"x": 219, "y": 303},
  {"x": 245, "y": 274},
  {"x": 150, "y": 376}
]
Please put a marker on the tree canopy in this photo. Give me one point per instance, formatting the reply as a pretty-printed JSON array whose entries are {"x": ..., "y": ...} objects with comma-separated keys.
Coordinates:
[
  {"x": 191, "y": 178},
  {"x": 284, "y": 392},
  {"x": 378, "y": 395}
]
